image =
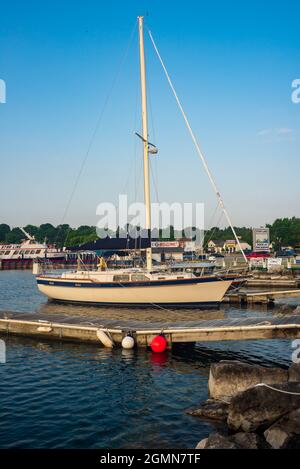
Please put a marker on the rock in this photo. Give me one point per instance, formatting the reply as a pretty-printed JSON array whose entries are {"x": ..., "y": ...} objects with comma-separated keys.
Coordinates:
[
  {"x": 215, "y": 410},
  {"x": 259, "y": 407},
  {"x": 238, "y": 441},
  {"x": 297, "y": 310},
  {"x": 202, "y": 444},
  {"x": 249, "y": 441},
  {"x": 218, "y": 441},
  {"x": 228, "y": 378},
  {"x": 294, "y": 373},
  {"x": 285, "y": 433}
]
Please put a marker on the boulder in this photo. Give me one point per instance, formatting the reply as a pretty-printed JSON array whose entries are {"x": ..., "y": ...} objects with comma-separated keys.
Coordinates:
[
  {"x": 249, "y": 441},
  {"x": 227, "y": 378},
  {"x": 218, "y": 441},
  {"x": 238, "y": 441},
  {"x": 294, "y": 373},
  {"x": 259, "y": 407},
  {"x": 215, "y": 410},
  {"x": 285, "y": 433}
]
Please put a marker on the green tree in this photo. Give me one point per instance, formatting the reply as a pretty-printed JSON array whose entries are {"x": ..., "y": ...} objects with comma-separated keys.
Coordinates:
[
  {"x": 4, "y": 230},
  {"x": 32, "y": 230},
  {"x": 15, "y": 236},
  {"x": 47, "y": 232}
]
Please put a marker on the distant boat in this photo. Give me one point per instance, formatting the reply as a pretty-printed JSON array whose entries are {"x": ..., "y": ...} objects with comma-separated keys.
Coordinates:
[
  {"x": 137, "y": 287},
  {"x": 29, "y": 249}
]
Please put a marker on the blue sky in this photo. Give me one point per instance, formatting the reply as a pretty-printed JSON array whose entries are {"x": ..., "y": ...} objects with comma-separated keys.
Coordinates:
[{"x": 232, "y": 64}]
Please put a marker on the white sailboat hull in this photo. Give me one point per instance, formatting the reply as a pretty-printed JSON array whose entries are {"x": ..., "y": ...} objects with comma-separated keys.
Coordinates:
[{"x": 199, "y": 292}]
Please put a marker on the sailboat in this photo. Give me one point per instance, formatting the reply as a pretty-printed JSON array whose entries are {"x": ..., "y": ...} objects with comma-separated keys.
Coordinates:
[{"x": 136, "y": 287}]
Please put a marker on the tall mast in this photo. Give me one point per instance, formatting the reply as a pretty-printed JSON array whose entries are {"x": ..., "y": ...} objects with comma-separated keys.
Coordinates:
[{"x": 145, "y": 140}]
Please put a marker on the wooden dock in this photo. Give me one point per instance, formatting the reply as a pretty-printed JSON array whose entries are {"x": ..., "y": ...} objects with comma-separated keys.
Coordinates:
[
  {"x": 286, "y": 327},
  {"x": 261, "y": 297},
  {"x": 274, "y": 282}
]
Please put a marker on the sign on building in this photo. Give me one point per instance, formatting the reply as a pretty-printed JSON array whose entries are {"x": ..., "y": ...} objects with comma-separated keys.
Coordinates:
[
  {"x": 165, "y": 244},
  {"x": 261, "y": 239}
]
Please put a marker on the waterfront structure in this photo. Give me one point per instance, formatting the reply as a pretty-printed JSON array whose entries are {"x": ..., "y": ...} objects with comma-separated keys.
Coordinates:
[
  {"x": 229, "y": 246},
  {"x": 29, "y": 249}
]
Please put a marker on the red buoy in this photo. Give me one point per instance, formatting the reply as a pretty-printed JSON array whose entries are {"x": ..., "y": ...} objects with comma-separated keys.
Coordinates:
[{"x": 158, "y": 344}]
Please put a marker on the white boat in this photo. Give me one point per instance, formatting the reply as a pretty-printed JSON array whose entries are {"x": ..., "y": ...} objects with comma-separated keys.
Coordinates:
[
  {"x": 134, "y": 287},
  {"x": 29, "y": 249},
  {"x": 138, "y": 287}
]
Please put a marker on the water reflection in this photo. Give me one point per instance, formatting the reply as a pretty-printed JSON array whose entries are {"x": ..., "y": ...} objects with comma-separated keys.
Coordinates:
[{"x": 132, "y": 318}]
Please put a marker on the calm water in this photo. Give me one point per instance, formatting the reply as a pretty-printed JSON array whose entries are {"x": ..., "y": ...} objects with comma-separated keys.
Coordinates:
[{"x": 82, "y": 396}]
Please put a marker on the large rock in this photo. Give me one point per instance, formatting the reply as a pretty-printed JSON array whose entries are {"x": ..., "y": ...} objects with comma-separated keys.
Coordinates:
[
  {"x": 217, "y": 441},
  {"x": 249, "y": 441},
  {"x": 259, "y": 407},
  {"x": 238, "y": 441},
  {"x": 215, "y": 410},
  {"x": 285, "y": 433},
  {"x": 227, "y": 378}
]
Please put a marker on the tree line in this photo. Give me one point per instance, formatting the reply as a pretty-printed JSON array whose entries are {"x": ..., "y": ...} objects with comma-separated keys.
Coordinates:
[{"x": 283, "y": 232}]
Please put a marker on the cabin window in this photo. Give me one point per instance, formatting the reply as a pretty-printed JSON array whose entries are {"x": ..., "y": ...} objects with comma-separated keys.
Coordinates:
[
  {"x": 139, "y": 278},
  {"x": 37, "y": 251},
  {"x": 27, "y": 252},
  {"x": 121, "y": 278},
  {"x": 6, "y": 253},
  {"x": 32, "y": 252},
  {"x": 16, "y": 253},
  {"x": 161, "y": 278}
]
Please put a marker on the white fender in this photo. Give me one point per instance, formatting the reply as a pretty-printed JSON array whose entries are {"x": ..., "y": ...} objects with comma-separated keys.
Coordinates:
[
  {"x": 128, "y": 342},
  {"x": 104, "y": 339}
]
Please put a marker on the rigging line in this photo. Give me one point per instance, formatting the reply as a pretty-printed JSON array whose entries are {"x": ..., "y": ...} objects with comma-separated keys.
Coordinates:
[
  {"x": 154, "y": 183},
  {"x": 137, "y": 90},
  {"x": 153, "y": 168},
  {"x": 210, "y": 222},
  {"x": 276, "y": 389},
  {"x": 132, "y": 165},
  {"x": 214, "y": 228},
  {"x": 209, "y": 174},
  {"x": 106, "y": 101}
]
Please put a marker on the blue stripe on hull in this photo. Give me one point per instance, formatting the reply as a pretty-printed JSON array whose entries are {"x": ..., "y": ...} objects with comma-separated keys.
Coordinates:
[
  {"x": 154, "y": 283},
  {"x": 206, "y": 305}
]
